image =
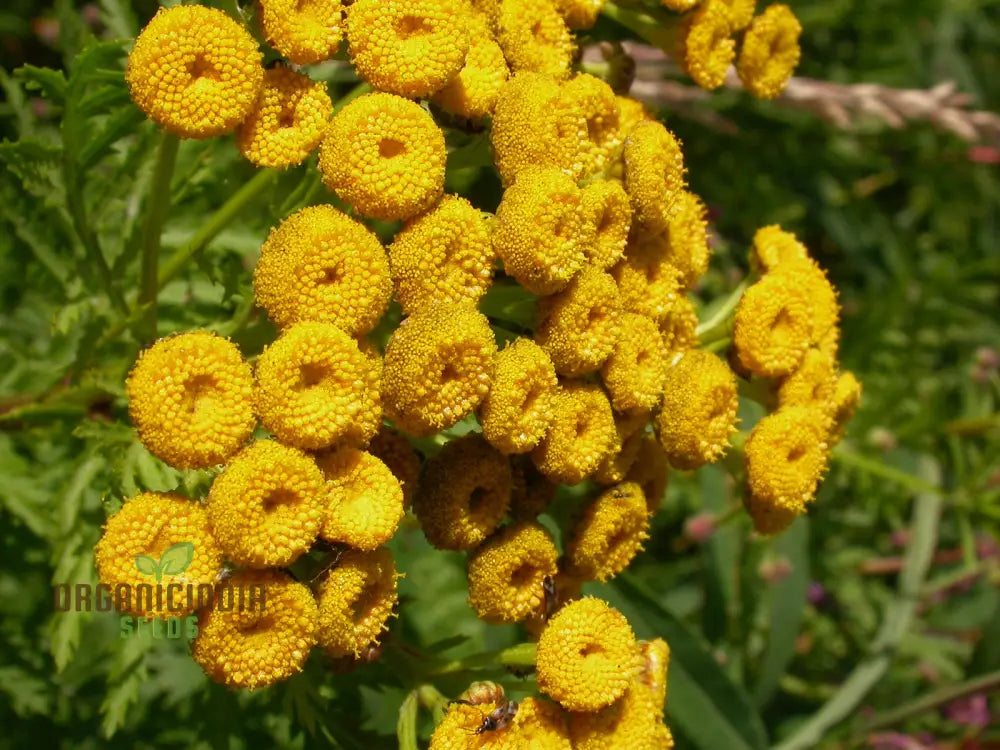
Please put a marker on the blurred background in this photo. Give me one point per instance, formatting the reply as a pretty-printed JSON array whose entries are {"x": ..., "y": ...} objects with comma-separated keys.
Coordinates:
[{"x": 873, "y": 623}]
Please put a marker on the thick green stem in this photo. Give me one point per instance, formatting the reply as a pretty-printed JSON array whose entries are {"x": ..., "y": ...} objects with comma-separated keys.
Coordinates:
[
  {"x": 650, "y": 24},
  {"x": 896, "y": 621},
  {"x": 718, "y": 327},
  {"x": 219, "y": 221},
  {"x": 157, "y": 208},
  {"x": 521, "y": 656},
  {"x": 406, "y": 725},
  {"x": 921, "y": 706},
  {"x": 875, "y": 468}
]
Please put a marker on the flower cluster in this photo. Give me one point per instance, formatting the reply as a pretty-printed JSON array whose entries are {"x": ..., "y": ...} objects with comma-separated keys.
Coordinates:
[{"x": 607, "y": 387}]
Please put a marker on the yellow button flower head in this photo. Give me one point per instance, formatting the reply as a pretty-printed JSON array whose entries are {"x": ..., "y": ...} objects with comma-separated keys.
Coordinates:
[
  {"x": 304, "y": 31},
  {"x": 579, "y": 326},
  {"x": 631, "y": 113},
  {"x": 364, "y": 502},
  {"x": 517, "y": 411},
  {"x": 437, "y": 367},
  {"x": 461, "y": 725},
  {"x": 262, "y": 643},
  {"x": 648, "y": 282},
  {"x": 636, "y": 369},
  {"x": 587, "y": 656},
  {"x": 634, "y": 721},
  {"x": 582, "y": 434},
  {"x": 654, "y": 173},
  {"x": 846, "y": 396},
  {"x": 542, "y": 724},
  {"x": 629, "y": 429},
  {"x": 395, "y": 451},
  {"x": 786, "y": 456},
  {"x": 540, "y": 232},
  {"x": 195, "y": 71},
  {"x": 266, "y": 507},
  {"x": 593, "y": 100},
  {"x": 808, "y": 276},
  {"x": 580, "y": 14},
  {"x": 321, "y": 265},
  {"x": 531, "y": 492},
  {"x": 685, "y": 241},
  {"x": 444, "y": 255},
  {"x": 651, "y": 471},
  {"x": 772, "y": 246},
  {"x": 288, "y": 121},
  {"x": 770, "y": 52},
  {"x": 773, "y": 325},
  {"x": 463, "y": 494},
  {"x": 356, "y": 600},
  {"x": 148, "y": 525},
  {"x": 680, "y": 326},
  {"x": 707, "y": 48},
  {"x": 812, "y": 384},
  {"x": 474, "y": 92},
  {"x": 506, "y": 573},
  {"x": 609, "y": 534},
  {"x": 189, "y": 396},
  {"x": 656, "y": 665},
  {"x": 741, "y": 13},
  {"x": 385, "y": 156},
  {"x": 411, "y": 49},
  {"x": 534, "y": 37},
  {"x": 531, "y": 129},
  {"x": 605, "y": 205},
  {"x": 699, "y": 410},
  {"x": 316, "y": 389}
]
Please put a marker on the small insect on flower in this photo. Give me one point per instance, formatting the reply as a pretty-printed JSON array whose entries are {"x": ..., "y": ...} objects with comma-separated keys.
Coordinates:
[
  {"x": 770, "y": 52},
  {"x": 482, "y": 711},
  {"x": 707, "y": 48}
]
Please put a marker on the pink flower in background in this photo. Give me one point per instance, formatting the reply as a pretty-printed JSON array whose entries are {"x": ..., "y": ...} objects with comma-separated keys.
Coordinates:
[{"x": 973, "y": 711}]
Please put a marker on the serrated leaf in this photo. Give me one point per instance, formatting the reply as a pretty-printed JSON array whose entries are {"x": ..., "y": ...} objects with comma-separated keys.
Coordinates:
[
  {"x": 176, "y": 559},
  {"x": 146, "y": 565},
  {"x": 51, "y": 83}
]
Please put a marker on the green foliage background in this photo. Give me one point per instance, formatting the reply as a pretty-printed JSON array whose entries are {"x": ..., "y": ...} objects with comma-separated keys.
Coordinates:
[{"x": 904, "y": 220}]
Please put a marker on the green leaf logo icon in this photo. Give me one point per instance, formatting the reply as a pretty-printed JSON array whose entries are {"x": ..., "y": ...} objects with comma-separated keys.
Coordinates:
[{"x": 174, "y": 561}]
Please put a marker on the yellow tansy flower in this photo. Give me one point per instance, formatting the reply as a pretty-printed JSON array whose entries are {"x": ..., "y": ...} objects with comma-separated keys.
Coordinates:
[
  {"x": 531, "y": 129},
  {"x": 304, "y": 31},
  {"x": 648, "y": 282},
  {"x": 542, "y": 724},
  {"x": 506, "y": 572},
  {"x": 773, "y": 325},
  {"x": 609, "y": 534},
  {"x": 740, "y": 13},
  {"x": 651, "y": 471},
  {"x": 364, "y": 501},
  {"x": 582, "y": 434},
  {"x": 846, "y": 396},
  {"x": 147, "y": 525},
  {"x": 825, "y": 310},
  {"x": 633, "y": 722},
  {"x": 411, "y": 49},
  {"x": 654, "y": 173},
  {"x": 256, "y": 646},
  {"x": 195, "y": 71},
  {"x": 315, "y": 388},
  {"x": 534, "y": 37},
  {"x": 587, "y": 656},
  {"x": 385, "y": 156},
  {"x": 356, "y": 599},
  {"x": 631, "y": 113},
  {"x": 462, "y": 728},
  {"x": 321, "y": 265},
  {"x": 679, "y": 326},
  {"x": 605, "y": 204},
  {"x": 266, "y": 507},
  {"x": 190, "y": 398},
  {"x": 811, "y": 384},
  {"x": 463, "y": 494},
  {"x": 629, "y": 430},
  {"x": 786, "y": 456},
  {"x": 698, "y": 415},
  {"x": 474, "y": 92},
  {"x": 579, "y": 326},
  {"x": 707, "y": 48},
  {"x": 772, "y": 246},
  {"x": 395, "y": 451},
  {"x": 517, "y": 411},
  {"x": 580, "y": 14},
  {"x": 437, "y": 367},
  {"x": 540, "y": 231},
  {"x": 684, "y": 243},
  {"x": 593, "y": 100},
  {"x": 635, "y": 371},
  {"x": 288, "y": 121},
  {"x": 531, "y": 491},
  {"x": 444, "y": 255},
  {"x": 770, "y": 52}
]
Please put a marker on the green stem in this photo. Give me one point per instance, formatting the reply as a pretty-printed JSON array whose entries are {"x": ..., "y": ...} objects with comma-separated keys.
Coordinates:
[
  {"x": 433, "y": 700},
  {"x": 360, "y": 90},
  {"x": 896, "y": 620},
  {"x": 939, "y": 697},
  {"x": 973, "y": 426},
  {"x": 219, "y": 221},
  {"x": 654, "y": 27},
  {"x": 718, "y": 345},
  {"x": 156, "y": 214},
  {"x": 406, "y": 725},
  {"x": 521, "y": 655},
  {"x": 718, "y": 326},
  {"x": 875, "y": 468}
]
